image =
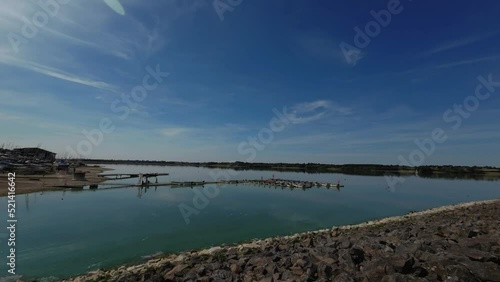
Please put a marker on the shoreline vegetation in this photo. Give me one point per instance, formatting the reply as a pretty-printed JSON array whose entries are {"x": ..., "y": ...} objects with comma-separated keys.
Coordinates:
[{"x": 450, "y": 243}]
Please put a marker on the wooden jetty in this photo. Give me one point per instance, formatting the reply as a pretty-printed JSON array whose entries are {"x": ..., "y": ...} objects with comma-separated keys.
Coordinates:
[
  {"x": 143, "y": 181},
  {"x": 173, "y": 184},
  {"x": 143, "y": 177}
]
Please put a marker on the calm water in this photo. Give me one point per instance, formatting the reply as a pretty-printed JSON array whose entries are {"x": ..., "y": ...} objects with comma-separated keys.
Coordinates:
[{"x": 65, "y": 233}]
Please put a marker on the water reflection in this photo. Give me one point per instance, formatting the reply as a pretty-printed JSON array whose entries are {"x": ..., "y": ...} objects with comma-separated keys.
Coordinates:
[{"x": 62, "y": 233}]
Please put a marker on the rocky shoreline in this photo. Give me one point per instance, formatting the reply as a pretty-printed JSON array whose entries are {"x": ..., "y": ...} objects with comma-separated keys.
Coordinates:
[{"x": 452, "y": 243}]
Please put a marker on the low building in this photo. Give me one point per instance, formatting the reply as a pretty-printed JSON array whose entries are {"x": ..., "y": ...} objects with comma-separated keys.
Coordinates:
[{"x": 35, "y": 153}]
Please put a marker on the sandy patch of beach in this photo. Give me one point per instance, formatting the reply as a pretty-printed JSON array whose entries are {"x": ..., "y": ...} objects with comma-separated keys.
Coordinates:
[{"x": 49, "y": 182}]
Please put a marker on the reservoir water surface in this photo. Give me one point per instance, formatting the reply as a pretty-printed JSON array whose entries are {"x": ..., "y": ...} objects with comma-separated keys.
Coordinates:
[{"x": 65, "y": 233}]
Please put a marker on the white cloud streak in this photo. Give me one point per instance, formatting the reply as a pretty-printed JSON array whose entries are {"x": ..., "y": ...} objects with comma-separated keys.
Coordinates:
[
  {"x": 316, "y": 110},
  {"x": 53, "y": 72},
  {"x": 468, "y": 62},
  {"x": 457, "y": 44}
]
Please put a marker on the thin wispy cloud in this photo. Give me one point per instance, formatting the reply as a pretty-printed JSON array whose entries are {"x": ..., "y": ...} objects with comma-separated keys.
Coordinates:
[
  {"x": 458, "y": 43},
  {"x": 308, "y": 139},
  {"x": 312, "y": 111},
  {"x": 174, "y": 131},
  {"x": 467, "y": 62},
  {"x": 115, "y": 48},
  {"x": 227, "y": 77},
  {"x": 425, "y": 69},
  {"x": 322, "y": 47},
  {"x": 9, "y": 117},
  {"x": 55, "y": 73}
]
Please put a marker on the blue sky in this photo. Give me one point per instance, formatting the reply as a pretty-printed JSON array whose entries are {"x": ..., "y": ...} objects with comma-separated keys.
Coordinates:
[{"x": 227, "y": 76}]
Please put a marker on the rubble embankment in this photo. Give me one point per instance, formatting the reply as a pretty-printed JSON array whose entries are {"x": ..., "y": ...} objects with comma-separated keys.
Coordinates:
[{"x": 453, "y": 243}]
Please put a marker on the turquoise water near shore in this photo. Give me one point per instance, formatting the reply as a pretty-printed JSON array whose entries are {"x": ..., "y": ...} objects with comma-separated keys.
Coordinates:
[{"x": 65, "y": 233}]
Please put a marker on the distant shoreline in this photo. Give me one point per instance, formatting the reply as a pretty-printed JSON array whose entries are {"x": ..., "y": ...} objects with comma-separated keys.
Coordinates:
[
  {"x": 430, "y": 171},
  {"x": 54, "y": 182}
]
